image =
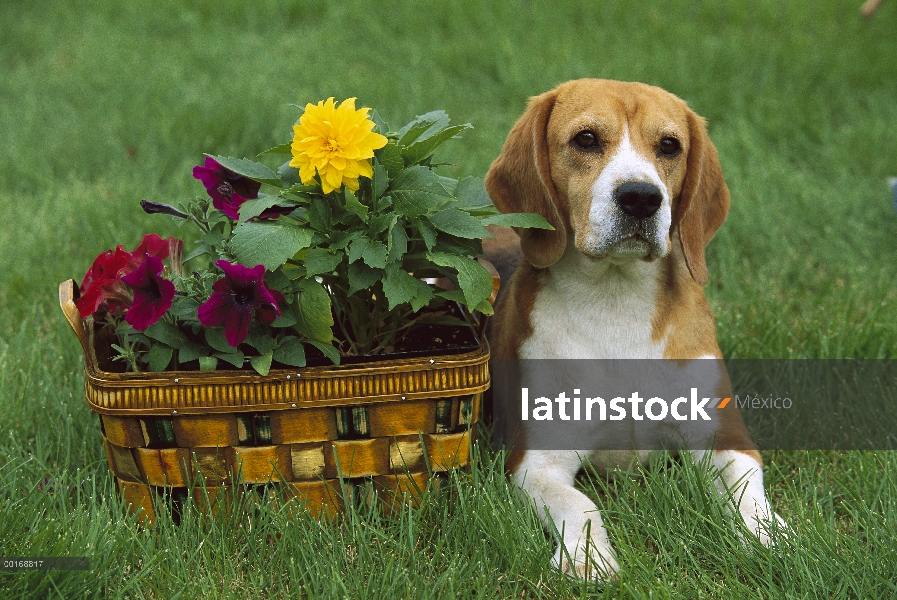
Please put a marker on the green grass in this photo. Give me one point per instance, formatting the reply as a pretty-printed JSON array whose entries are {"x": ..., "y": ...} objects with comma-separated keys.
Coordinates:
[{"x": 108, "y": 103}]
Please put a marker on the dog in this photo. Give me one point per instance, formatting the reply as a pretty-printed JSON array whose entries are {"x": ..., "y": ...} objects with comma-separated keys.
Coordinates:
[{"x": 631, "y": 183}]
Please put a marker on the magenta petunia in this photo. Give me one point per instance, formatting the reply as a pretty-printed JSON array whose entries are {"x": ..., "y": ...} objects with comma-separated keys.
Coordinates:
[
  {"x": 237, "y": 298},
  {"x": 230, "y": 190},
  {"x": 153, "y": 293},
  {"x": 227, "y": 189}
]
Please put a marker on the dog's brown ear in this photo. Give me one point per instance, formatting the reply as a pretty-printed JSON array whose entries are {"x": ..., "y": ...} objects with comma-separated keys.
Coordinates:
[
  {"x": 520, "y": 181},
  {"x": 704, "y": 202}
]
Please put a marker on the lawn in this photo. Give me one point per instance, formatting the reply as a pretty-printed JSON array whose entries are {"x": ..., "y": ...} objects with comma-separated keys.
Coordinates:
[{"x": 105, "y": 104}]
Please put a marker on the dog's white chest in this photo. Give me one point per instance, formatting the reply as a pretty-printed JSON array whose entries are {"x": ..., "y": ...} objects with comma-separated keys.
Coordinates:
[{"x": 595, "y": 310}]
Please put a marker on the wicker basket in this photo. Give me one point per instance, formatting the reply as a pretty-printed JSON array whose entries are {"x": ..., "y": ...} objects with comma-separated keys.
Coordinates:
[{"x": 327, "y": 435}]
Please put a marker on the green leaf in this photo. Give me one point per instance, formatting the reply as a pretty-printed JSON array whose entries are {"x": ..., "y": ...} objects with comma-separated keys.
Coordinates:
[
  {"x": 372, "y": 251},
  {"x": 416, "y": 191},
  {"x": 281, "y": 149},
  {"x": 234, "y": 358},
  {"x": 449, "y": 184},
  {"x": 428, "y": 142},
  {"x": 320, "y": 260},
  {"x": 485, "y": 307},
  {"x": 528, "y": 220},
  {"x": 380, "y": 223},
  {"x": 198, "y": 251},
  {"x": 215, "y": 338},
  {"x": 328, "y": 350},
  {"x": 362, "y": 276},
  {"x": 341, "y": 240},
  {"x": 320, "y": 216},
  {"x": 314, "y": 318},
  {"x": 261, "y": 341},
  {"x": 159, "y": 357},
  {"x": 288, "y": 175},
  {"x": 262, "y": 364},
  {"x": 299, "y": 189},
  {"x": 453, "y": 295},
  {"x": 458, "y": 223},
  {"x": 213, "y": 238},
  {"x": 166, "y": 333},
  {"x": 286, "y": 318},
  {"x": 357, "y": 248},
  {"x": 277, "y": 280},
  {"x": 400, "y": 287},
  {"x": 381, "y": 126},
  {"x": 471, "y": 194},
  {"x": 268, "y": 243},
  {"x": 208, "y": 363},
  {"x": 354, "y": 205},
  {"x": 192, "y": 351},
  {"x": 379, "y": 182},
  {"x": 390, "y": 156},
  {"x": 397, "y": 243},
  {"x": 474, "y": 281},
  {"x": 427, "y": 232},
  {"x": 255, "y": 207},
  {"x": 431, "y": 122},
  {"x": 422, "y": 297},
  {"x": 249, "y": 168},
  {"x": 290, "y": 352},
  {"x": 374, "y": 254},
  {"x": 458, "y": 246},
  {"x": 184, "y": 308}
]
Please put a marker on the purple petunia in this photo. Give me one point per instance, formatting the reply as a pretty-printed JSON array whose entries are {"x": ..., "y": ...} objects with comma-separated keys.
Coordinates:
[
  {"x": 153, "y": 294},
  {"x": 237, "y": 297},
  {"x": 227, "y": 189}
]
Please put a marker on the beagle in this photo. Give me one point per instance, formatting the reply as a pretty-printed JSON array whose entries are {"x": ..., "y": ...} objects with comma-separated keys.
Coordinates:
[{"x": 628, "y": 178}]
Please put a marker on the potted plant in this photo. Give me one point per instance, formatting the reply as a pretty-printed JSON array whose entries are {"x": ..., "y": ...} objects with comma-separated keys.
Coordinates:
[{"x": 323, "y": 328}]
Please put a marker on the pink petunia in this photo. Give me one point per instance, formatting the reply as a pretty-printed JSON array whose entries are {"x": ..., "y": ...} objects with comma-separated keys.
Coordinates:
[
  {"x": 153, "y": 294},
  {"x": 237, "y": 297},
  {"x": 227, "y": 189}
]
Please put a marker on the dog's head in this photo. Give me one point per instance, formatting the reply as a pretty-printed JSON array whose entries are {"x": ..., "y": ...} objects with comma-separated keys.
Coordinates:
[{"x": 616, "y": 168}]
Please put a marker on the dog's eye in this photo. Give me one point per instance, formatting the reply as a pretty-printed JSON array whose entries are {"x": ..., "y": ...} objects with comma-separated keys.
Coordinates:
[
  {"x": 586, "y": 140},
  {"x": 669, "y": 146}
]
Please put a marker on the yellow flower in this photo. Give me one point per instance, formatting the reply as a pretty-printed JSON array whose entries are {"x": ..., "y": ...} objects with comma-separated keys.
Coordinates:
[{"x": 337, "y": 142}]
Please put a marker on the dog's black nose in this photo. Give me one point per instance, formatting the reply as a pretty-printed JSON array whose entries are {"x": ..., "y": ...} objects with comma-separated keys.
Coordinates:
[{"x": 638, "y": 199}]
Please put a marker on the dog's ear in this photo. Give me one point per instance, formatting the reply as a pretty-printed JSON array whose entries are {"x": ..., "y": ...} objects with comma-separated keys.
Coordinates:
[
  {"x": 704, "y": 202},
  {"x": 520, "y": 181}
]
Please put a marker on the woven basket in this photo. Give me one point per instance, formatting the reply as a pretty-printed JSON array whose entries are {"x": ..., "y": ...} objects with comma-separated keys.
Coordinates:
[{"x": 326, "y": 435}]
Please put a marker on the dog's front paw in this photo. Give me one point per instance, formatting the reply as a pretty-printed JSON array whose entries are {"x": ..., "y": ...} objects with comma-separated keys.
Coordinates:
[
  {"x": 767, "y": 530},
  {"x": 596, "y": 562}
]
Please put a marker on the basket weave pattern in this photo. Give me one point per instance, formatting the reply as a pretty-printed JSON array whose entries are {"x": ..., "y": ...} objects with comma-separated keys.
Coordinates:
[{"x": 322, "y": 433}]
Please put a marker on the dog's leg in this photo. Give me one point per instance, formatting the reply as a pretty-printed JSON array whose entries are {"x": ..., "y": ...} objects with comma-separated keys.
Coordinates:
[
  {"x": 547, "y": 478},
  {"x": 741, "y": 480}
]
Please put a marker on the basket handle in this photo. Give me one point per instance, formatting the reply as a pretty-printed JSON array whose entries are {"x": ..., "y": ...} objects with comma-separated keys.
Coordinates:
[
  {"x": 496, "y": 284},
  {"x": 71, "y": 312}
]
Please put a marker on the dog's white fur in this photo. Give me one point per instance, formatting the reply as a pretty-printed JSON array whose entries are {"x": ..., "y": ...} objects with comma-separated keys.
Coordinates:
[{"x": 606, "y": 286}]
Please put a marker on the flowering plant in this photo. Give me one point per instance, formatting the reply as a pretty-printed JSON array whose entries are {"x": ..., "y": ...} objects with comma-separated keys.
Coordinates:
[{"x": 336, "y": 252}]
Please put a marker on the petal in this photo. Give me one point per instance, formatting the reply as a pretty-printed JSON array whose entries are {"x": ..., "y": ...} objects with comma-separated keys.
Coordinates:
[
  {"x": 240, "y": 276},
  {"x": 153, "y": 245},
  {"x": 216, "y": 310},
  {"x": 145, "y": 310},
  {"x": 236, "y": 327},
  {"x": 209, "y": 173}
]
